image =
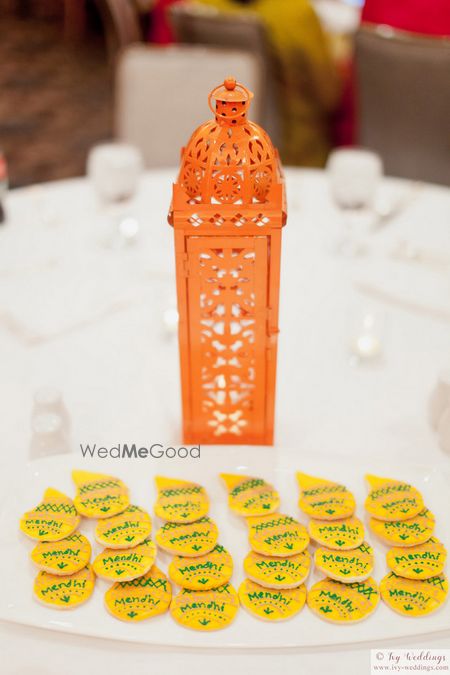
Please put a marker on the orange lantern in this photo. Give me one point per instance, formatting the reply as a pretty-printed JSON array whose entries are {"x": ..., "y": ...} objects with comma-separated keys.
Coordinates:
[{"x": 227, "y": 212}]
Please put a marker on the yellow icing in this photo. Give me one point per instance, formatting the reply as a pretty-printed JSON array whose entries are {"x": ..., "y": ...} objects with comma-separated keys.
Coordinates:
[
  {"x": 419, "y": 562},
  {"x": 340, "y": 535},
  {"x": 64, "y": 592},
  {"x": 180, "y": 501},
  {"x": 391, "y": 499},
  {"x": 271, "y": 604},
  {"x": 324, "y": 499},
  {"x": 54, "y": 518},
  {"x": 343, "y": 603},
  {"x": 276, "y": 572},
  {"x": 203, "y": 573},
  {"x": 140, "y": 598},
  {"x": 346, "y": 566},
  {"x": 415, "y": 598},
  {"x": 411, "y": 532},
  {"x": 277, "y": 535},
  {"x": 129, "y": 528},
  {"x": 99, "y": 495},
  {"x": 250, "y": 496},
  {"x": 205, "y": 610},
  {"x": 114, "y": 564},
  {"x": 63, "y": 557},
  {"x": 191, "y": 540}
]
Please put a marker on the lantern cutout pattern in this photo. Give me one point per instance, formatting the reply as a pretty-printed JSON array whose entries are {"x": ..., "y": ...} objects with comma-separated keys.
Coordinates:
[{"x": 227, "y": 212}]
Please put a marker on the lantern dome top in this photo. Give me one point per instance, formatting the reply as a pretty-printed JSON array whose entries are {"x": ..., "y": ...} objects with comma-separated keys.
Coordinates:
[{"x": 229, "y": 160}]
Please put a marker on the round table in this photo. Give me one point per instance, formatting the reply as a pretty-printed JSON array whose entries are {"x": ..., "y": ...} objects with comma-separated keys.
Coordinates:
[{"x": 90, "y": 320}]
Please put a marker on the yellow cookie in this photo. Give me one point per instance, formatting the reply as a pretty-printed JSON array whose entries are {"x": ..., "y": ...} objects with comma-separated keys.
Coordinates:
[
  {"x": 340, "y": 535},
  {"x": 324, "y": 499},
  {"x": 64, "y": 592},
  {"x": 271, "y": 604},
  {"x": 273, "y": 572},
  {"x": 248, "y": 496},
  {"x": 129, "y": 528},
  {"x": 98, "y": 495},
  {"x": 62, "y": 557},
  {"x": 126, "y": 564},
  {"x": 180, "y": 501},
  {"x": 343, "y": 603},
  {"x": 346, "y": 566},
  {"x": 277, "y": 535},
  {"x": 205, "y": 610},
  {"x": 51, "y": 520},
  {"x": 190, "y": 540},
  {"x": 420, "y": 562},
  {"x": 208, "y": 571},
  {"x": 141, "y": 598},
  {"x": 411, "y": 532},
  {"x": 390, "y": 499},
  {"x": 414, "y": 597}
]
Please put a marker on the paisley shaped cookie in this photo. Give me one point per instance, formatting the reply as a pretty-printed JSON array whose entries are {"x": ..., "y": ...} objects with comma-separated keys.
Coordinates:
[
  {"x": 414, "y": 597},
  {"x": 346, "y": 566},
  {"x": 63, "y": 557},
  {"x": 391, "y": 499},
  {"x": 141, "y": 598},
  {"x": 273, "y": 572},
  {"x": 190, "y": 540},
  {"x": 340, "y": 535},
  {"x": 98, "y": 495},
  {"x": 277, "y": 535},
  {"x": 205, "y": 610},
  {"x": 249, "y": 496},
  {"x": 324, "y": 499},
  {"x": 126, "y": 564},
  {"x": 411, "y": 532},
  {"x": 420, "y": 562},
  {"x": 64, "y": 592},
  {"x": 180, "y": 501},
  {"x": 129, "y": 528},
  {"x": 271, "y": 604},
  {"x": 53, "y": 519},
  {"x": 208, "y": 571},
  {"x": 343, "y": 603}
]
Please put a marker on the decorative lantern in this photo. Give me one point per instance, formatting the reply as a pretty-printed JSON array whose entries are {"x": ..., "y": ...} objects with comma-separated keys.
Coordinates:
[{"x": 227, "y": 212}]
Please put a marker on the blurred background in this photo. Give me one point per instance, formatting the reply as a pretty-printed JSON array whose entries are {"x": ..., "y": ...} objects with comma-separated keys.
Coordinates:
[{"x": 326, "y": 73}]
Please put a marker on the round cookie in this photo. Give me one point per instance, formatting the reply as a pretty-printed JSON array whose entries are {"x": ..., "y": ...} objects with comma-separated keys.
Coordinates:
[
  {"x": 125, "y": 564},
  {"x": 205, "y": 610},
  {"x": 129, "y": 528},
  {"x": 420, "y": 562},
  {"x": 390, "y": 499},
  {"x": 411, "y": 532},
  {"x": 271, "y": 604},
  {"x": 346, "y": 566},
  {"x": 64, "y": 557},
  {"x": 208, "y": 571},
  {"x": 277, "y": 535},
  {"x": 340, "y": 535},
  {"x": 188, "y": 540},
  {"x": 343, "y": 603},
  {"x": 64, "y": 592},
  {"x": 250, "y": 496},
  {"x": 99, "y": 495},
  {"x": 180, "y": 501},
  {"x": 140, "y": 598},
  {"x": 414, "y": 597},
  {"x": 54, "y": 518},
  {"x": 324, "y": 499},
  {"x": 275, "y": 572}
]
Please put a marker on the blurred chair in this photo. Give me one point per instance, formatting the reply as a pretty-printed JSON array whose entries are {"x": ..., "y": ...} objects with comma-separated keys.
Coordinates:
[
  {"x": 404, "y": 101},
  {"x": 161, "y": 94},
  {"x": 200, "y": 24},
  {"x": 122, "y": 24}
]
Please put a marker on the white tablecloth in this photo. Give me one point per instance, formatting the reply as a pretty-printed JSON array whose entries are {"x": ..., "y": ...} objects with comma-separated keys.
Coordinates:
[{"x": 89, "y": 320}]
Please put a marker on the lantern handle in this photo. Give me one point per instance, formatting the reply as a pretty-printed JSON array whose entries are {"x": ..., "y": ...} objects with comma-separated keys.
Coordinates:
[{"x": 229, "y": 83}]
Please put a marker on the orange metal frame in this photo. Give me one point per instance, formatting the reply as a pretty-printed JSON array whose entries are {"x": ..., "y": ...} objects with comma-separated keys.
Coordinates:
[{"x": 227, "y": 212}]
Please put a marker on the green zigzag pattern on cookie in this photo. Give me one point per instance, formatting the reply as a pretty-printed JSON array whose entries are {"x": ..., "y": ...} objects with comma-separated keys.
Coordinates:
[
  {"x": 287, "y": 520},
  {"x": 99, "y": 485},
  {"x": 56, "y": 508}
]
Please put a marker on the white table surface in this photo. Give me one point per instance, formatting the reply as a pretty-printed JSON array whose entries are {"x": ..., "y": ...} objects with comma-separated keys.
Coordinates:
[{"x": 88, "y": 320}]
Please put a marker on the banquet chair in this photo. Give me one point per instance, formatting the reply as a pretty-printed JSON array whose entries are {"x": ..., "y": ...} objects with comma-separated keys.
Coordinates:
[
  {"x": 199, "y": 24},
  {"x": 161, "y": 94},
  {"x": 404, "y": 101},
  {"x": 122, "y": 24}
]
